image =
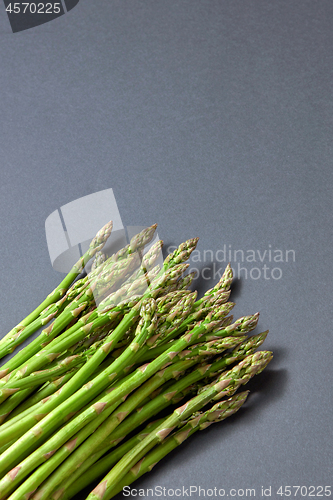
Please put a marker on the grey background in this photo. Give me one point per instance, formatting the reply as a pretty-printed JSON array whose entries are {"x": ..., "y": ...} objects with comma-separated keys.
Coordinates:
[{"x": 212, "y": 118}]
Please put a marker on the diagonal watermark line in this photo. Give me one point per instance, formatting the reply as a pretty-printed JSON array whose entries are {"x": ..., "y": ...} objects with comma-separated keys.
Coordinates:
[
  {"x": 64, "y": 227},
  {"x": 64, "y": 5}
]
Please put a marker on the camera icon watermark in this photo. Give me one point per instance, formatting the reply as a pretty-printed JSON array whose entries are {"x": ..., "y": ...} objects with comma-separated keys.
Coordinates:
[{"x": 70, "y": 229}]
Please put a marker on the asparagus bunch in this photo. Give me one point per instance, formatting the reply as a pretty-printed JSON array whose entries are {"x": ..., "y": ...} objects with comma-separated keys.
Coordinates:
[{"x": 119, "y": 346}]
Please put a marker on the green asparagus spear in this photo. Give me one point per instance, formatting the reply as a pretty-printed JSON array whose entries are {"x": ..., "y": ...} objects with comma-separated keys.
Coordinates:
[
  {"x": 97, "y": 244},
  {"x": 30, "y": 440},
  {"x": 198, "y": 422},
  {"x": 202, "y": 372},
  {"x": 68, "y": 490}
]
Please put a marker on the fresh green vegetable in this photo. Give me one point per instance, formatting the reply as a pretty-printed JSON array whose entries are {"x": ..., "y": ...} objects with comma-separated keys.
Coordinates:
[{"x": 118, "y": 346}]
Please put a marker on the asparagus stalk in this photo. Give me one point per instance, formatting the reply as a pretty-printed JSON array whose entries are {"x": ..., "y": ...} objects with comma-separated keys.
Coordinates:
[
  {"x": 15, "y": 400},
  {"x": 225, "y": 385},
  {"x": 8, "y": 346},
  {"x": 41, "y": 431},
  {"x": 76, "y": 382},
  {"x": 91, "y": 408},
  {"x": 71, "y": 486},
  {"x": 147, "y": 263},
  {"x": 77, "y": 482},
  {"x": 223, "y": 284},
  {"x": 97, "y": 244},
  {"x": 185, "y": 282},
  {"x": 203, "y": 372},
  {"x": 210, "y": 348},
  {"x": 63, "y": 342},
  {"x": 52, "y": 352},
  {"x": 181, "y": 254},
  {"x": 36, "y": 344},
  {"x": 44, "y": 392},
  {"x": 158, "y": 283},
  {"x": 83, "y": 452},
  {"x": 241, "y": 326},
  {"x": 136, "y": 244},
  {"x": 99, "y": 259},
  {"x": 16, "y": 363},
  {"x": 32, "y": 403},
  {"x": 116, "y": 268},
  {"x": 40, "y": 377},
  {"x": 160, "y": 402},
  {"x": 98, "y": 430}
]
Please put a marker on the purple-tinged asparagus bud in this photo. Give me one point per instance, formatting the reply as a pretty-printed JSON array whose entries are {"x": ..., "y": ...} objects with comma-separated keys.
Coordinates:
[
  {"x": 143, "y": 238},
  {"x": 182, "y": 308},
  {"x": 211, "y": 348},
  {"x": 149, "y": 318},
  {"x": 181, "y": 254},
  {"x": 185, "y": 282},
  {"x": 208, "y": 303},
  {"x": 129, "y": 293},
  {"x": 114, "y": 276},
  {"x": 96, "y": 244},
  {"x": 215, "y": 317}
]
